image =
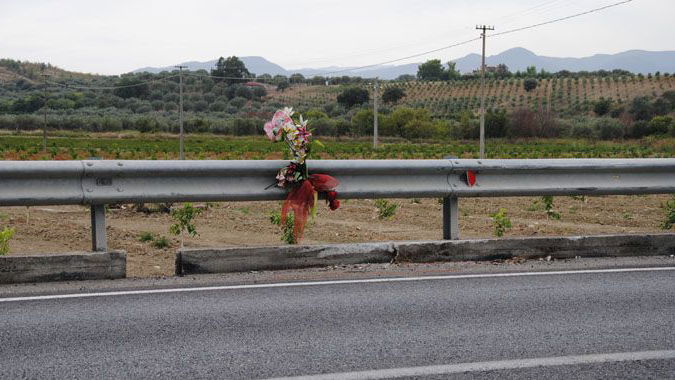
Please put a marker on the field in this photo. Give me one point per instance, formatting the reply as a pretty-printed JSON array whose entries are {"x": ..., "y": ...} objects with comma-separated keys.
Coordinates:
[
  {"x": 66, "y": 228},
  {"x": 562, "y": 95},
  {"x": 137, "y": 146}
]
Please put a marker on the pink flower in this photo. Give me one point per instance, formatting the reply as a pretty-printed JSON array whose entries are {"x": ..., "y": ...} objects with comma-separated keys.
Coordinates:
[{"x": 274, "y": 127}]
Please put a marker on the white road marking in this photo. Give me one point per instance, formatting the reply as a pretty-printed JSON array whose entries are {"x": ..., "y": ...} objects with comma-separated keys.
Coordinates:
[
  {"x": 332, "y": 282},
  {"x": 490, "y": 366}
]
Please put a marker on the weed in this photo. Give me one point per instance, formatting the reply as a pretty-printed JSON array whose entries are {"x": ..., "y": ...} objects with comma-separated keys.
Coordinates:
[
  {"x": 535, "y": 206},
  {"x": 548, "y": 206},
  {"x": 580, "y": 198},
  {"x": 245, "y": 210},
  {"x": 146, "y": 237},
  {"x": 385, "y": 209},
  {"x": 501, "y": 222},
  {"x": 287, "y": 235},
  {"x": 416, "y": 201},
  {"x": 669, "y": 206},
  {"x": 184, "y": 218},
  {"x": 161, "y": 242},
  {"x": 5, "y": 236}
]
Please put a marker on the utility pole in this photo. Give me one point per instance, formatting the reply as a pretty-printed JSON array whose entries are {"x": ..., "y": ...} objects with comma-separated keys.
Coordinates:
[
  {"x": 482, "y": 91},
  {"x": 180, "y": 86},
  {"x": 375, "y": 95},
  {"x": 44, "y": 108}
]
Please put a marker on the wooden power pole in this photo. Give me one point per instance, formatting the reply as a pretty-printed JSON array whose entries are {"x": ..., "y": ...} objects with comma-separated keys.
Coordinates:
[
  {"x": 482, "y": 91},
  {"x": 181, "y": 143},
  {"x": 44, "y": 109},
  {"x": 375, "y": 95}
]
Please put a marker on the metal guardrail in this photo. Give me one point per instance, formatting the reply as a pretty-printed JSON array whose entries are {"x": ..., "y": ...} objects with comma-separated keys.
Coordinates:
[{"x": 99, "y": 182}]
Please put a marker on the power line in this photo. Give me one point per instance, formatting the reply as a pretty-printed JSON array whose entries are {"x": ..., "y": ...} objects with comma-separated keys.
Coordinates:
[
  {"x": 371, "y": 65},
  {"x": 559, "y": 19},
  {"x": 478, "y": 38},
  {"x": 112, "y": 87}
]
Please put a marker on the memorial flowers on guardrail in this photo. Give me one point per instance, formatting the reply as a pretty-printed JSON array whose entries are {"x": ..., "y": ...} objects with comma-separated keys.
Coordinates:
[{"x": 304, "y": 188}]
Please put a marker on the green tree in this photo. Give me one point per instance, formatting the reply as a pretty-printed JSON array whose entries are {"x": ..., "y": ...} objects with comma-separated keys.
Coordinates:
[
  {"x": 282, "y": 86},
  {"x": 353, "y": 96},
  {"x": 530, "y": 84},
  {"x": 232, "y": 69},
  {"x": 131, "y": 87},
  {"x": 393, "y": 94},
  {"x": 641, "y": 108},
  {"x": 362, "y": 122},
  {"x": 452, "y": 72},
  {"x": 602, "y": 106},
  {"x": 297, "y": 78},
  {"x": 431, "y": 70}
]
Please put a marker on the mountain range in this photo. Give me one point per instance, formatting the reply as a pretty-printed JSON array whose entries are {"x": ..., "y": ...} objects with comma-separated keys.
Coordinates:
[{"x": 517, "y": 59}]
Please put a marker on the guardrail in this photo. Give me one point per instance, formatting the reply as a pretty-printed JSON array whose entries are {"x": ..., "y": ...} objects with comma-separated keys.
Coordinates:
[{"x": 98, "y": 182}]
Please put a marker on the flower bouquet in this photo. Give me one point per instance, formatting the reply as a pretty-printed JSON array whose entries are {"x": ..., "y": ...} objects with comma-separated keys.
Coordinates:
[{"x": 304, "y": 188}]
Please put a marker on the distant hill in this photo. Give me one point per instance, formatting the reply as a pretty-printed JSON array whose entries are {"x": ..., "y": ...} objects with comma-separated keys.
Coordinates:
[
  {"x": 637, "y": 61},
  {"x": 257, "y": 65}
]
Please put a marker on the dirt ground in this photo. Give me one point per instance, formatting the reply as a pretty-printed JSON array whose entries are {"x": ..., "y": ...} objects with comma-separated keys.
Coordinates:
[{"x": 49, "y": 230}]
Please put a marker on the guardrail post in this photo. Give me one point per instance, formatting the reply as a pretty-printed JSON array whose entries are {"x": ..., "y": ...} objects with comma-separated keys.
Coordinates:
[
  {"x": 98, "y": 236},
  {"x": 450, "y": 218}
]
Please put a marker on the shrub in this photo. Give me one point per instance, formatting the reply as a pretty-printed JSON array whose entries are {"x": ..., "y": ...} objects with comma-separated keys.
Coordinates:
[
  {"x": 393, "y": 94},
  {"x": 259, "y": 91},
  {"x": 161, "y": 242},
  {"x": 5, "y": 236},
  {"x": 659, "y": 125},
  {"x": 669, "y": 207},
  {"x": 238, "y": 102},
  {"x": 582, "y": 129},
  {"x": 353, "y": 96},
  {"x": 608, "y": 129},
  {"x": 287, "y": 234},
  {"x": 602, "y": 106},
  {"x": 522, "y": 123},
  {"x": 184, "y": 218},
  {"x": 385, "y": 209},
  {"x": 146, "y": 237},
  {"x": 501, "y": 222},
  {"x": 641, "y": 108},
  {"x": 551, "y": 213},
  {"x": 530, "y": 84}
]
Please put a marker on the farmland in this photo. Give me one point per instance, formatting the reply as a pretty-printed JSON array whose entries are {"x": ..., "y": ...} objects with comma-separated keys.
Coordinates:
[
  {"x": 567, "y": 96},
  {"x": 560, "y": 104},
  {"x": 138, "y": 146}
]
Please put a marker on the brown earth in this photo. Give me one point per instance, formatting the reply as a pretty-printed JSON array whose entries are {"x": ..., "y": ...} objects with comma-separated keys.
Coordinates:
[{"x": 67, "y": 228}]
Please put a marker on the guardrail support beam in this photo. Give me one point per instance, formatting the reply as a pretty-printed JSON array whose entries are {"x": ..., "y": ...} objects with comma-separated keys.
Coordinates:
[
  {"x": 450, "y": 218},
  {"x": 99, "y": 242}
]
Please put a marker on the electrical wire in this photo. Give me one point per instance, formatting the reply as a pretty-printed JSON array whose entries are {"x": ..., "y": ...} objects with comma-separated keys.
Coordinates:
[
  {"x": 478, "y": 38},
  {"x": 329, "y": 73},
  {"x": 78, "y": 87},
  {"x": 559, "y": 19}
]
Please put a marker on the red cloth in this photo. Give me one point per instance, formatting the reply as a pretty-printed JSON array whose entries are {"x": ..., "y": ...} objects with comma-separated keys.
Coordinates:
[
  {"x": 301, "y": 200},
  {"x": 323, "y": 182}
]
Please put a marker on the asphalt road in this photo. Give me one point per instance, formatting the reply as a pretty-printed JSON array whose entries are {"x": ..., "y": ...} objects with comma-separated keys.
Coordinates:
[{"x": 572, "y": 325}]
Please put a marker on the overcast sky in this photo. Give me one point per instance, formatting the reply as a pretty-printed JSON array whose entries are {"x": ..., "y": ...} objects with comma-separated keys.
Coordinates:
[{"x": 117, "y": 36}]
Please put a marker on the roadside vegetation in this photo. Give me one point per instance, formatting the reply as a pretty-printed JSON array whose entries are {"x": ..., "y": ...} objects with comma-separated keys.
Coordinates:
[{"x": 438, "y": 104}]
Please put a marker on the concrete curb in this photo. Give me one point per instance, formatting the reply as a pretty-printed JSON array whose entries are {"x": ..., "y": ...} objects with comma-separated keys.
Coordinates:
[
  {"x": 535, "y": 247},
  {"x": 242, "y": 259},
  {"x": 63, "y": 267}
]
